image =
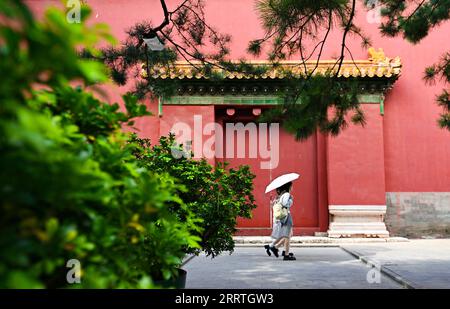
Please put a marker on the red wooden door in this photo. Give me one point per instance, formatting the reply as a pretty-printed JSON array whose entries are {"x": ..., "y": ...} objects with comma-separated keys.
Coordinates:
[{"x": 294, "y": 156}]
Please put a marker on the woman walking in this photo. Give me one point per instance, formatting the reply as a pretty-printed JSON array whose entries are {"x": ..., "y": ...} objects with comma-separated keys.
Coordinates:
[{"x": 282, "y": 228}]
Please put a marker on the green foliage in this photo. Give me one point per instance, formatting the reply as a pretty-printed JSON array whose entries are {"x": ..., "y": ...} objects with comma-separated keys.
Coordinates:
[
  {"x": 415, "y": 20},
  {"x": 184, "y": 33},
  {"x": 254, "y": 47},
  {"x": 290, "y": 26},
  {"x": 216, "y": 195},
  {"x": 51, "y": 40},
  {"x": 440, "y": 71},
  {"x": 128, "y": 58},
  {"x": 70, "y": 185},
  {"x": 92, "y": 116},
  {"x": 322, "y": 103},
  {"x": 287, "y": 24},
  {"x": 443, "y": 101}
]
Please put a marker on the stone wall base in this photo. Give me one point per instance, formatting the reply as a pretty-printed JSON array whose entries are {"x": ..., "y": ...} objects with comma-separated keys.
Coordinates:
[
  {"x": 357, "y": 221},
  {"x": 418, "y": 214}
]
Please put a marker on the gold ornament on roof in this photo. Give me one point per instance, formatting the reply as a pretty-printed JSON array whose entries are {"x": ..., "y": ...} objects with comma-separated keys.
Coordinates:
[{"x": 378, "y": 56}]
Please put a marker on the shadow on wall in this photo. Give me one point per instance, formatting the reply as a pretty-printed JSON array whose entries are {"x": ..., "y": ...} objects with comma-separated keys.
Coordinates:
[{"x": 418, "y": 214}]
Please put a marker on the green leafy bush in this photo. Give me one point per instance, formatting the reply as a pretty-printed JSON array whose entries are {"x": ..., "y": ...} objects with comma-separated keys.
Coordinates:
[
  {"x": 73, "y": 185},
  {"x": 216, "y": 195},
  {"x": 70, "y": 186}
]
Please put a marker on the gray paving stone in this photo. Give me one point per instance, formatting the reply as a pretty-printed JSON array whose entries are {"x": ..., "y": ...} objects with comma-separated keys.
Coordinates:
[
  {"x": 421, "y": 263},
  {"x": 251, "y": 268}
]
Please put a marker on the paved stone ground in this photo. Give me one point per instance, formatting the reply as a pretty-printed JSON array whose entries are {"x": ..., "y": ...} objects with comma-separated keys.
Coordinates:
[
  {"x": 315, "y": 267},
  {"x": 419, "y": 263}
]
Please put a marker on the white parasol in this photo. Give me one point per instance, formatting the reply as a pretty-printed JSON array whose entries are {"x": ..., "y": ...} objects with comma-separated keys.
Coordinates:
[{"x": 281, "y": 180}]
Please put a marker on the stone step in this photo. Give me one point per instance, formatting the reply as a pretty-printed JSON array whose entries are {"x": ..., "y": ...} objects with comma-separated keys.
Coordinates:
[{"x": 307, "y": 240}]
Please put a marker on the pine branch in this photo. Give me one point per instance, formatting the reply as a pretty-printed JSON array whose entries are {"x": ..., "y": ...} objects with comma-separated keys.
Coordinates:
[
  {"x": 165, "y": 21},
  {"x": 344, "y": 36}
]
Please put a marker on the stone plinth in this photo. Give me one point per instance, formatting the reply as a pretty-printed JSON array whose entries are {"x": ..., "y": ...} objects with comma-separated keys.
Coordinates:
[{"x": 357, "y": 221}]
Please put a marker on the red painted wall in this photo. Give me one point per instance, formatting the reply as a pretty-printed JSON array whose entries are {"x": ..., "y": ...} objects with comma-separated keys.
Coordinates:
[
  {"x": 356, "y": 163},
  {"x": 416, "y": 151},
  {"x": 148, "y": 126},
  {"x": 173, "y": 114}
]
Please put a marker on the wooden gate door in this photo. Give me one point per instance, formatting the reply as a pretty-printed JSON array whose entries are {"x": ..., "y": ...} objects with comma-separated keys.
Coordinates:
[{"x": 293, "y": 156}]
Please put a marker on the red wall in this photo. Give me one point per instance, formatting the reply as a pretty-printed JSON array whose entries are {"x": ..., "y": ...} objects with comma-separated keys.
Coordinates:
[
  {"x": 173, "y": 114},
  {"x": 417, "y": 152},
  {"x": 356, "y": 163}
]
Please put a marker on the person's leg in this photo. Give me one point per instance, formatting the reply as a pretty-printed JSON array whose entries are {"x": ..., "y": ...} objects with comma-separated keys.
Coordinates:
[
  {"x": 279, "y": 242},
  {"x": 288, "y": 241},
  {"x": 287, "y": 245},
  {"x": 274, "y": 242}
]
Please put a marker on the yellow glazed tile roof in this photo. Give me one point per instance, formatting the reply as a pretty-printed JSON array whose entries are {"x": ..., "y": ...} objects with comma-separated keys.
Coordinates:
[{"x": 378, "y": 65}]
